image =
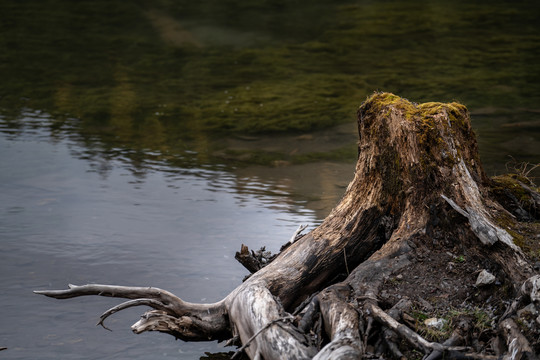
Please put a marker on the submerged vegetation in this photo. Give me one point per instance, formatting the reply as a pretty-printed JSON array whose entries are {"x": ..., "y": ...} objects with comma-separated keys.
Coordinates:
[{"x": 159, "y": 75}]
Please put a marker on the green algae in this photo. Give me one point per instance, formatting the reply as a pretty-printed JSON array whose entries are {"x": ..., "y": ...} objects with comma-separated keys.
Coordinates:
[
  {"x": 298, "y": 66},
  {"x": 275, "y": 158}
]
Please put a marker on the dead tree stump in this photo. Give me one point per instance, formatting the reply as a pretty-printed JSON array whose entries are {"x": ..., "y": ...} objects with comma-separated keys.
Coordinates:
[{"x": 419, "y": 257}]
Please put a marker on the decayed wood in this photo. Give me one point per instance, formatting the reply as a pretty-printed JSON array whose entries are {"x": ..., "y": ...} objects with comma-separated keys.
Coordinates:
[
  {"x": 248, "y": 260},
  {"x": 265, "y": 313},
  {"x": 342, "y": 326},
  {"x": 518, "y": 345},
  {"x": 172, "y": 315},
  {"x": 417, "y": 163}
]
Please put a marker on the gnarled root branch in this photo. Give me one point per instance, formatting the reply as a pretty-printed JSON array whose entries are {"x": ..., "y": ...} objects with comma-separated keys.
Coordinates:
[
  {"x": 131, "y": 303},
  {"x": 341, "y": 322},
  {"x": 172, "y": 315},
  {"x": 264, "y": 327}
]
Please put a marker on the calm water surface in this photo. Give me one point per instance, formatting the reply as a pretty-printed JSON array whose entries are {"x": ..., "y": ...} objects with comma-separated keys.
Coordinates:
[
  {"x": 69, "y": 218},
  {"x": 142, "y": 142}
]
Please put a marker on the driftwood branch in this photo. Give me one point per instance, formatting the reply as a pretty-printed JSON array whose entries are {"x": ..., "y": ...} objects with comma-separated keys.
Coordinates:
[
  {"x": 172, "y": 315},
  {"x": 131, "y": 303}
]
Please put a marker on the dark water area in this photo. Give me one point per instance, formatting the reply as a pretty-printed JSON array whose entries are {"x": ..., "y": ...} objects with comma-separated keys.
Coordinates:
[{"x": 142, "y": 142}]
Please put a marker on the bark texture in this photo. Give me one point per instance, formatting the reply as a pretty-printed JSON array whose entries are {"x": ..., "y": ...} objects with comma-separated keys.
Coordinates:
[{"x": 415, "y": 228}]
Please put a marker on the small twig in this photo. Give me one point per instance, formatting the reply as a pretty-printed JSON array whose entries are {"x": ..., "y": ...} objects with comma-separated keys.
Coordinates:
[
  {"x": 521, "y": 168},
  {"x": 368, "y": 330},
  {"x": 346, "y": 265},
  {"x": 287, "y": 318},
  {"x": 411, "y": 336},
  {"x": 309, "y": 316},
  {"x": 527, "y": 172},
  {"x": 235, "y": 340},
  {"x": 297, "y": 232},
  {"x": 510, "y": 310},
  {"x": 305, "y": 303}
]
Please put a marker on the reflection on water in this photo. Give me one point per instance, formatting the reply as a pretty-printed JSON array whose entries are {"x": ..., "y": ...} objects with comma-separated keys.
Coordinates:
[
  {"x": 66, "y": 217},
  {"x": 180, "y": 76}
]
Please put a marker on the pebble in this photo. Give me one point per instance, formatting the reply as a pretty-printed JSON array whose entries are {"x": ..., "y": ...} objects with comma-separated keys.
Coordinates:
[
  {"x": 485, "y": 278},
  {"x": 435, "y": 323},
  {"x": 529, "y": 309}
]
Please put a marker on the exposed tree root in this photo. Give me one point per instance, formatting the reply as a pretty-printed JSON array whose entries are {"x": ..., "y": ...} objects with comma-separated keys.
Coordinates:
[
  {"x": 341, "y": 325},
  {"x": 417, "y": 225},
  {"x": 172, "y": 315}
]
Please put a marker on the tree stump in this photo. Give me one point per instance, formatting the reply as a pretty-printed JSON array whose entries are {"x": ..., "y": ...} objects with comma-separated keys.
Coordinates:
[{"x": 393, "y": 271}]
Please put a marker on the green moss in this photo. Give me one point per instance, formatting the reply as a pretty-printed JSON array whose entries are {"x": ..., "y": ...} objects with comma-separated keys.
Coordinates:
[
  {"x": 510, "y": 182},
  {"x": 430, "y": 333},
  {"x": 425, "y": 117},
  {"x": 524, "y": 236},
  {"x": 519, "y": 240},
  {"x": 383, "y": 100},
  {"x": 424, "y": 112},
  {"x": 524, "y": 233}
]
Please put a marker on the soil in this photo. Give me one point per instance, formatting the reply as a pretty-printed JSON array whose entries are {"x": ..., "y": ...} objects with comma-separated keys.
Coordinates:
[{"x": 441, "y": 280}]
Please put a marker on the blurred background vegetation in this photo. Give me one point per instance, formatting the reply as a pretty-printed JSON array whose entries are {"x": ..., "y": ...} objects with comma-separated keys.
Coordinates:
[{"x": 210, "y": 81}]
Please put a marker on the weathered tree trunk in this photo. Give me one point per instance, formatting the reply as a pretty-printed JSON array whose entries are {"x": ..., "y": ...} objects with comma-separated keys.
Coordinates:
[{"x": 415, "y": 228}]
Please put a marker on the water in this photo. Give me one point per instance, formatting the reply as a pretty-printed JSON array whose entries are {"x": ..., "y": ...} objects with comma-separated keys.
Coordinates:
[
  {"x": 64, "y": 222},
  {"x": 141, "y": 143}
]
